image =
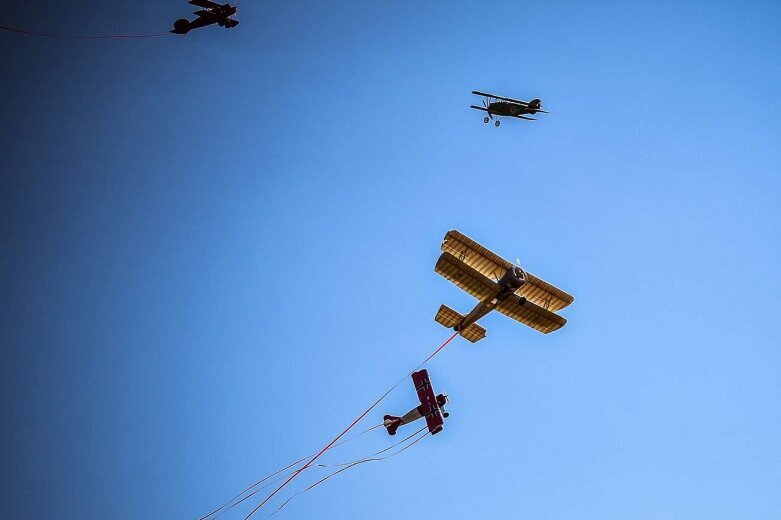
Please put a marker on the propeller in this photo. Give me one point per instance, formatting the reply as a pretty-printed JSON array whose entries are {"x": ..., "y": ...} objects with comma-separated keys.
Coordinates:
[
  {"x": 447, "y": 401},
  {"x": 486, "y": 109},
  {"x": 518, "y": 263}
]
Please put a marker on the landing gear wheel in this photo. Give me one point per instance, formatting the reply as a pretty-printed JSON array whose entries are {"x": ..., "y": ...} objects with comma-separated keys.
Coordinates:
[
  {"x": 485, "y": 120},
  {"x": 497, "y": 123}
]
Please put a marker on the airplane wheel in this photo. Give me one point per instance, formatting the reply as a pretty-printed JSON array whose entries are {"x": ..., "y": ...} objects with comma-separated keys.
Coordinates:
[
  {"x": 497, "y": 123},
  {"x": 485, "y": 120},
  {"x": 446, "y": 415}
]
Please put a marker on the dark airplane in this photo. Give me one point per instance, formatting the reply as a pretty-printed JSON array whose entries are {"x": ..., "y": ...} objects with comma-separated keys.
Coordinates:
[
  {"x": 502, "y": 106},
  {"x": 212, "y": 12}
]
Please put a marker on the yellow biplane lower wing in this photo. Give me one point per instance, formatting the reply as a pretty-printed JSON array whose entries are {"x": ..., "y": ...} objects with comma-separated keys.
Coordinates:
[
  {"x": 531, "y": 314},
  {"x": 450, "y": 318}
]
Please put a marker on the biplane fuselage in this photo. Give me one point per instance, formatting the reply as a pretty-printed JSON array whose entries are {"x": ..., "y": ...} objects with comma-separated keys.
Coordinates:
[
  {"x": 498, "y": 285},
  {"x": 504, "y": 108},
  {"x": 510, "y": 281},
  {"x": 211, "y": 13}
]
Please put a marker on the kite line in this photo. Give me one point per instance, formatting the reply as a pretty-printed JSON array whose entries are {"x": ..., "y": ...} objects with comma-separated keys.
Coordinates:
[
  {"x": 350, "y": 427},
  {"x": 88, "y": 37},
  {"x": 230, "y": 503},
  {"x": 345, "y": 465},
  {"x": 352, "y": 463},
  {"x": 348, "y": 465}
]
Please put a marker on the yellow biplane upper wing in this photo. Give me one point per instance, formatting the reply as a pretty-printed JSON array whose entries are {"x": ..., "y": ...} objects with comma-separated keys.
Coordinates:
[
  {"x": 493, "y": 266},
  {"x": 466, "y": 277},
  {"x": 528, "y": 313}
]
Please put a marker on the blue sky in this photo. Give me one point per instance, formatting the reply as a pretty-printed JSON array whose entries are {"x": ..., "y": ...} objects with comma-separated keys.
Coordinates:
[{"x": 219, "y": 249}]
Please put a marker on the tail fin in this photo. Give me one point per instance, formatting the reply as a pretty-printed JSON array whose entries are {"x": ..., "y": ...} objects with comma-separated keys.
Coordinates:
[
  {"x": 451, "y": 319},
  {"x": 392, "y": 423},
  {"x": 181, "y": 26}
]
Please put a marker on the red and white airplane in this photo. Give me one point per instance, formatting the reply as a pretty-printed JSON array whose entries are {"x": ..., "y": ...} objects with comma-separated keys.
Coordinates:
[{"x": 432, "y": 407}]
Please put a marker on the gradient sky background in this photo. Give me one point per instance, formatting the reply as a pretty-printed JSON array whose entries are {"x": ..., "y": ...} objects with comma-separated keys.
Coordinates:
[{"x": 218, "y": 249}]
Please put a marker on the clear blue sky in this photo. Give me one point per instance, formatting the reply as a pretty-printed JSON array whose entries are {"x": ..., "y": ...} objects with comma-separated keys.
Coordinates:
[{"x": 218, "y": 249}]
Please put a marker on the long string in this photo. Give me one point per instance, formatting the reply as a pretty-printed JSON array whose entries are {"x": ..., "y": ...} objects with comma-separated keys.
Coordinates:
[
  {"x": 87, "y": 37},
  {"x": 221, "y": 512},
  {"x": 356, "y": 421},
  {"x": 353, "y": 464},
  {"x": 230, "y": 505},
  {"x": 402, "y": 441}
]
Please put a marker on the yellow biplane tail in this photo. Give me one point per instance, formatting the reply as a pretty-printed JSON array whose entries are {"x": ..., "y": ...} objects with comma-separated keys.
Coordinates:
[{"x": 450, "y": 319}]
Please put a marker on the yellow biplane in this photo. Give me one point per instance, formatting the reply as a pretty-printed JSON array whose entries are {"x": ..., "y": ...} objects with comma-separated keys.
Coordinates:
[{"x": 498, "y": 285}]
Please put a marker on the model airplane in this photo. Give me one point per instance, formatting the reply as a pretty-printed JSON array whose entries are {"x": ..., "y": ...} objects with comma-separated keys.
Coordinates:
[
  {"x": 212, "y": 12},
  {"x": 503, "y": 106},
  {"x": 432, "y": 407},
  {"x": 498, "y": 285}
]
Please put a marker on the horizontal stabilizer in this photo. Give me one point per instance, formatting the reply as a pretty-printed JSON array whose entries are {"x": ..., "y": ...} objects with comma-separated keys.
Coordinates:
[
  {"x": 450, "y": 319},
  {"x": 391, "y": 423}
]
